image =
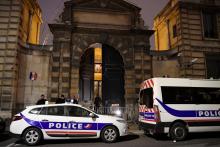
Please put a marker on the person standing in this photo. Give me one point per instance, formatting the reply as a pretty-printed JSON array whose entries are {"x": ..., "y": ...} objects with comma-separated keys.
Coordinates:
[
  {"x": 75, "y": 100},
  {"x": 60, "y": 100},
  {"x": 42, "y": 100},
  {"x": 97, "y": 103},
  {"x": 106, "y": 107}
]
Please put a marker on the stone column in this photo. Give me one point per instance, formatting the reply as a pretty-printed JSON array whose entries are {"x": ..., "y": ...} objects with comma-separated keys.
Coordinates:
[{"x": 61, "y": 63}]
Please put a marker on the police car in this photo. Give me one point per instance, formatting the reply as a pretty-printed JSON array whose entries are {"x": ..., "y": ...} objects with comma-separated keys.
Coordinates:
[{"x": 65, "y": 121}]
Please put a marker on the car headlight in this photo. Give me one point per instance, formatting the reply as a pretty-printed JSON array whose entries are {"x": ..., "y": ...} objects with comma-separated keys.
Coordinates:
[
  {"x": 118, "y": 112},
  {"x": 122, "y": 121}
]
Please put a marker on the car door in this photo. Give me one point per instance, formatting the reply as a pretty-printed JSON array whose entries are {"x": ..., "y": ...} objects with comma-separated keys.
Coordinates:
[
  {"x": 53, "y": 121},
  {"x": 81, "y": 124}
]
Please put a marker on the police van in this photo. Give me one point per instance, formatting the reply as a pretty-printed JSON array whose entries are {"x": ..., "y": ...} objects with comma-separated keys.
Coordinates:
[
  {"x": 178, "y": 106},
  {"x": 65, "y": 121}
]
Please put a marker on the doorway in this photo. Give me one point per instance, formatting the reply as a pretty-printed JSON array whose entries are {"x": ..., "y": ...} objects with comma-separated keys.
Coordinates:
[{"x": 103, "y": 78}]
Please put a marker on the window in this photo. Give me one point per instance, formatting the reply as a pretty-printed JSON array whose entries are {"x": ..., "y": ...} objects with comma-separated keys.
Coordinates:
[
  {"x": 35, "y": 111},
  {"x": 210, "y": 24},
  {"x": 176, "y": 95},
  {"x": 212, "y": 66},
  {"x": 208, "y": 2},
  {"x": 174, "y": 31},
  {"x": 147, "y": 98},
  {"x": 44, "y": 111},
  {"x": 190, "y": 95},
  {"x": 207, "y": 95},
  {"x": 77, "y": 112},
  {"x": 56, "y": 110}
]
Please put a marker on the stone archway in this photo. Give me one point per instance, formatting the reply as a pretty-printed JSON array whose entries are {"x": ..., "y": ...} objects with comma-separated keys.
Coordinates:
[
  {"x": 125, "y": 36},
  {"x": 110, "y": 86}
]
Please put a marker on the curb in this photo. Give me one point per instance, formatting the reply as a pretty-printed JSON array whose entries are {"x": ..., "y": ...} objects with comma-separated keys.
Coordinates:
[{"x": 138, "y": 132}]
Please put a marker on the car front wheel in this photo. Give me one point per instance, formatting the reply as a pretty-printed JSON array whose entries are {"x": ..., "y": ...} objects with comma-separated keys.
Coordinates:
[
  {"x": 32, "y": 136},
  {"x": 109, "y": 134}
]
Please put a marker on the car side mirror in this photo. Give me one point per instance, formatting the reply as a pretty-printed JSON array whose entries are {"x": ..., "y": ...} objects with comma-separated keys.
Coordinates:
[{"x": 93, "y": 115}]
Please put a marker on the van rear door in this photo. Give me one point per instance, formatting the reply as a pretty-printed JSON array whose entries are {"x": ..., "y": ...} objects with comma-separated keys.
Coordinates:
[{"x": 146, "y": 110}]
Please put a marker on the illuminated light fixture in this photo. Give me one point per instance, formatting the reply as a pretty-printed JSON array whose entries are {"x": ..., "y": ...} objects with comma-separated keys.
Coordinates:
[
  {"x": 98, "y": 64},
  {"x": 98, "y": 55},
  {"x": 118, "y": 113}
]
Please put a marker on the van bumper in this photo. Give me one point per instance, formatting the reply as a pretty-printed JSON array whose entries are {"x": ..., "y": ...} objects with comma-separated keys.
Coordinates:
[{"x": 158, "y": 128}]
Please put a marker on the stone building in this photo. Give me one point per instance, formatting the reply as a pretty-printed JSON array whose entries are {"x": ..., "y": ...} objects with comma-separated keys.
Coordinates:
[
  {"x": 188, "y": 34},
  {"x": 20, "y": 22},
  {"x": 100, "y": 49}
]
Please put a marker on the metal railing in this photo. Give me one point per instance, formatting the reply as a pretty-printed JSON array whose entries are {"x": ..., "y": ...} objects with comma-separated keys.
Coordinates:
[{"x": 130, "y": 114}]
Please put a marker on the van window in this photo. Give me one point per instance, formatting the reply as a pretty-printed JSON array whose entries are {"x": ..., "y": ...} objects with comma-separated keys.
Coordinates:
[
  {"x": 146, "y": 97},
  {"x": 207, "y": 95},
  {"x": 190, "y": 95},
  {"x": 177, "y": 95}
]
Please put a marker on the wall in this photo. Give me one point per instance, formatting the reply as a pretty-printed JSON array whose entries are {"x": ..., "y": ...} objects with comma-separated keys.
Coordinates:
[
  {"x": 30, "y": 22},
  {"x": 163, "y": 26},
  {"x": 9, "y": 23},
  {"x": 190, "y": 41},
  {"x": 14, "y": 30},
  {"x": 169, "y": 68},
  {"x": 29, "y": 91}
]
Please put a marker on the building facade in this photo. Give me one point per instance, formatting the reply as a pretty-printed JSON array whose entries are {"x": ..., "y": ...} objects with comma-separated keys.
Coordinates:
[
  {"x": 20, "y": 22},
  {"x": 190, "y": 31},
  {"x": 100, "y": 49}
]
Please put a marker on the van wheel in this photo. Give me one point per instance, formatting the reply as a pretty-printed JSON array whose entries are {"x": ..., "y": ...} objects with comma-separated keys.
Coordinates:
[
  {"x": 109, "y": 134},
  {"x": 178, "y": 131},
  {"x": 32, "y": 136}
]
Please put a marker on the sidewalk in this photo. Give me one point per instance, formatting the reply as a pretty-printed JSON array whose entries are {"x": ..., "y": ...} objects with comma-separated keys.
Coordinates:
[{"x": 134, "y": 129}]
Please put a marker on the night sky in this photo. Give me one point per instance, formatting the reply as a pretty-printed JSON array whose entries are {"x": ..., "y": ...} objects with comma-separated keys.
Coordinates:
[{"x": 52, "y": 8}]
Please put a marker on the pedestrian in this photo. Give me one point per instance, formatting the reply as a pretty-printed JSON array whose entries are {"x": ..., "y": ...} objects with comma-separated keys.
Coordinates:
[
  {"x": 97, "y": 103},
  {"x": 75, "y": 100},
  {"x": 42, "y": 100},
  {"x": 69, "y": 100},
  {"x": 60, "y": 100},
  {"x": 106, "y": 108}
]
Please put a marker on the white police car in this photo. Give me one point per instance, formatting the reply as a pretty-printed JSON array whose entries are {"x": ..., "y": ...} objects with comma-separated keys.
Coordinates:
[{"x": 65, "y": 121}]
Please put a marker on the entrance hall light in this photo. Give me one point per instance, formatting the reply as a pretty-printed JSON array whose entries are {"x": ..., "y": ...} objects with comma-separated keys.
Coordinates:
[
  {"x": 98, "y": 64},
  {"x": 98, "y": 55}
]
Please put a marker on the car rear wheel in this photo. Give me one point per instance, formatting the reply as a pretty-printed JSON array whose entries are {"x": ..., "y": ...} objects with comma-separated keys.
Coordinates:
[
  {"x": 109, "y": 134},
  {"x": 32, "y": 136}
]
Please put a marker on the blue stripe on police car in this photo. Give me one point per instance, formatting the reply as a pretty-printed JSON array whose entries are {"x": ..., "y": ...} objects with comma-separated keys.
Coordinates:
[{"x": 66, "y": 125}]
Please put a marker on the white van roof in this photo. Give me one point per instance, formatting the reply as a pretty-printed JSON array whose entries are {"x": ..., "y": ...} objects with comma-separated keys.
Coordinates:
[{"x": 180, "y": 82}]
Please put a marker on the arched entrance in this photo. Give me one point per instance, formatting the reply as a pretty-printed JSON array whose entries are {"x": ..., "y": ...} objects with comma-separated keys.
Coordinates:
[{"x": 109, "y": 82}]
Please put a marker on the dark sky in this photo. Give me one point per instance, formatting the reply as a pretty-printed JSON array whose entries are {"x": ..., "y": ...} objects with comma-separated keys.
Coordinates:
[{"x": 52, "y": 8}]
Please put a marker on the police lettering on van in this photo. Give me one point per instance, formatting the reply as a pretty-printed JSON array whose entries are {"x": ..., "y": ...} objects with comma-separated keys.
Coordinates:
[{"x": 209, "y": 113}]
